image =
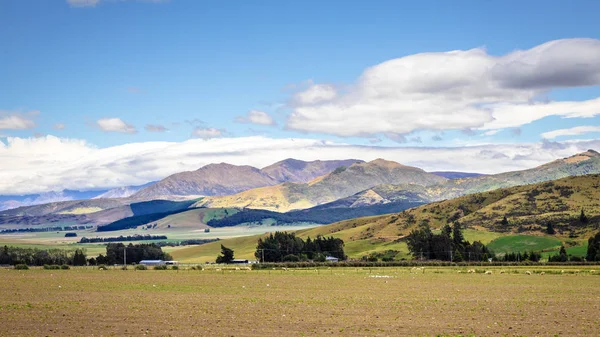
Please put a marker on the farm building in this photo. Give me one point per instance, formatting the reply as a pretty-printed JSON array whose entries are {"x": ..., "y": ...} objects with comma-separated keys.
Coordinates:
[
  {"x": 153, "y": 262},
  {"x": 239, "y": 261},
  {"x": 331, "y": 259}
]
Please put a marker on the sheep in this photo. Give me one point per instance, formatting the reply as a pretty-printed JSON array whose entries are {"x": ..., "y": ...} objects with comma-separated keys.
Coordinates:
[
  {"x": 247, "y": 268},
  {"x": 489, "y": 272},
  {"x": 284, "y": 268},
  {"x": 502, "y": 271},
  {"x": 415, "y": 270},
  {"x": 542, "y": 273},
  {"x": 460, "y": 271},
  {"x": 471, "y": 271},
  {"x": 562, "y": 271},
  {"x": 218, "y": 269},
  {"x": 528, "y": 272},
  {"x": 592, "y": 271},
  {"x": 237, "y": 268}
]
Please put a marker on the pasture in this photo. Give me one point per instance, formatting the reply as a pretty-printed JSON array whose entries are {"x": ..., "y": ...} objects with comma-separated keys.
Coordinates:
[{"x": 334, "y": 302}]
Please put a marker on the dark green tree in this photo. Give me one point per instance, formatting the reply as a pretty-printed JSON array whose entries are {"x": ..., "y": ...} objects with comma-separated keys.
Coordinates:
[
  {"x": 457, "y": 235},
  {"x": 79, "y": 258},
  {"x": 504, "y": 221},
  {"x": 582, "y": 217},
  {"x": 550, "y": 229},
  {"x": 226, "y": 255},
  {"x": 593, "y": 251}
]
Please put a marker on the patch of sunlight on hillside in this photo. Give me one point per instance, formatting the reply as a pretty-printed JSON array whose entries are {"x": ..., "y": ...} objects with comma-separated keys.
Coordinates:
[{"x": 82, "y": 210}]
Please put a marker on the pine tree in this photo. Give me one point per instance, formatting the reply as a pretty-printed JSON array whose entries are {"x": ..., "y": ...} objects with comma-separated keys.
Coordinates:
[
  {"x": 226, "y": 255},
  {"x": 550, "y": 229},
  {"x": 457, "y": 235},
  {"x": 504, "y": 221}
]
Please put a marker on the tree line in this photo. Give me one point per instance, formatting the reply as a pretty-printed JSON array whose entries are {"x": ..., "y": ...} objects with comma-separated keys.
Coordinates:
[
  {"x": 44, "y": 229},
  {"x": 449, "y": 245},
  {"x": 115, "y": 252},
  {"x": 283, "y": 246},
  {"x": 136, "y": 237},
  {"x": 40, "y": 257}
]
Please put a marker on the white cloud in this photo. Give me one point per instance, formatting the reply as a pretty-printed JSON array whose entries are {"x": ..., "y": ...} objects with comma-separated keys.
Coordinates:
[
  {"x": 115, "y": 125},
  {"x": 16, "y": 121},
  {"x": 575, "y": 131},
  {"x": 60, "y": 126},
  {"x": 155, "y": 128},
  {"x": 315, "y": 93},
  {"x": 34, "y": 165},
  {"x": 453, "y": 90},
  {"x": 207, "y": 133},
  {"x": 256, "y": 117}
]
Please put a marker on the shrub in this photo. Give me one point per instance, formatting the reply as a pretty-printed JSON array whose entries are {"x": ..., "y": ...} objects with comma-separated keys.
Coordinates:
[
  {"x": 21, "y": 267},
  {"x": 65, "y": 267},
  {"x": 291, "y": 258},
  {"x": 102, "y": 267},
  {"x": 160, "y": 268},
  {"x": 51, "y": 267},
  {"x": 175, "y": 267},
  {"x": 141, "y": 267}
]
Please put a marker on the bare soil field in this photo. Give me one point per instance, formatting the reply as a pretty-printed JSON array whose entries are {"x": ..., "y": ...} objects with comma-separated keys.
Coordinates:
[{"x": 327, "y": 302}]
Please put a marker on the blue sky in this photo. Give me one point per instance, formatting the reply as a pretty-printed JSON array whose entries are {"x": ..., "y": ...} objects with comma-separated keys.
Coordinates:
[{"x": 195, "y": 69}]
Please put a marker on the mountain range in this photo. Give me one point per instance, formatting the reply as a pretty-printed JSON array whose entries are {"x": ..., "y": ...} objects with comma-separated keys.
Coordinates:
[
  {"x": 225, "y": 179},
  {"x": 340, "y": 183},
  {"x": 381, "y": 182},
  {"x": 528, "y": 210},
  {"x": 325, "y": 189}
]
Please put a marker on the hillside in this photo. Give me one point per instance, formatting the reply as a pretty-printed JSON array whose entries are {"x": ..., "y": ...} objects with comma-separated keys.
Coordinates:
[
  {"x": 528, "y": 209},
  {"x": 580, "y": 164},
  {"x": 340, "y": 183},
  {"x": 225, "y": 179}
]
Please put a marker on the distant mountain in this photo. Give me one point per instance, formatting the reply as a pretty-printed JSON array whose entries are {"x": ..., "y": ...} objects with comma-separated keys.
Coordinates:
[
  {"x": 122, "y": 192},
  {"x": 340, "y": 183},
  {"x": 456, "y": 175},
  {"x": 226, "y": 179},
  {"x": 14, "y": 201}
]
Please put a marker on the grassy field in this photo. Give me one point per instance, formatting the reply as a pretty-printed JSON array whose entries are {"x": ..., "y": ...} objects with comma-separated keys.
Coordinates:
[
  {"x": 336, "y": 302},
  {"x": 521, "y": 243},
  {"x": 49, "y": 240}
]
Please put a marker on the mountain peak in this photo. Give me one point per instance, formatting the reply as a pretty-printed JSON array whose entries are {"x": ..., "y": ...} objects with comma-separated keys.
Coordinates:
[{"x": 385, "y": 163}]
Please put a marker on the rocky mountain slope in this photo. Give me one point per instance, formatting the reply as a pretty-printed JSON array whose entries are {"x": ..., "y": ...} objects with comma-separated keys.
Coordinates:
[{"x": 340, "y": 183}]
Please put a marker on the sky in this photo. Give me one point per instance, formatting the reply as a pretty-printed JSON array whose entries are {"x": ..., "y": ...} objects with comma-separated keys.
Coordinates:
[{"x": 104, "y": 93}]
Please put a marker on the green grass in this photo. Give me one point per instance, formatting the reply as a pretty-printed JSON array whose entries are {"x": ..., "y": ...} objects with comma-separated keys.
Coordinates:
[
  {"x": 580, "y": 251},
  {"x": 521, "y": 243},
  {"x": 218, "y": 213}
]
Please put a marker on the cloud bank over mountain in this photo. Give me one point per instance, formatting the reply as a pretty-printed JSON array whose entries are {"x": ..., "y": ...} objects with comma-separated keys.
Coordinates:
[{"x": 50, "y": 163}]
